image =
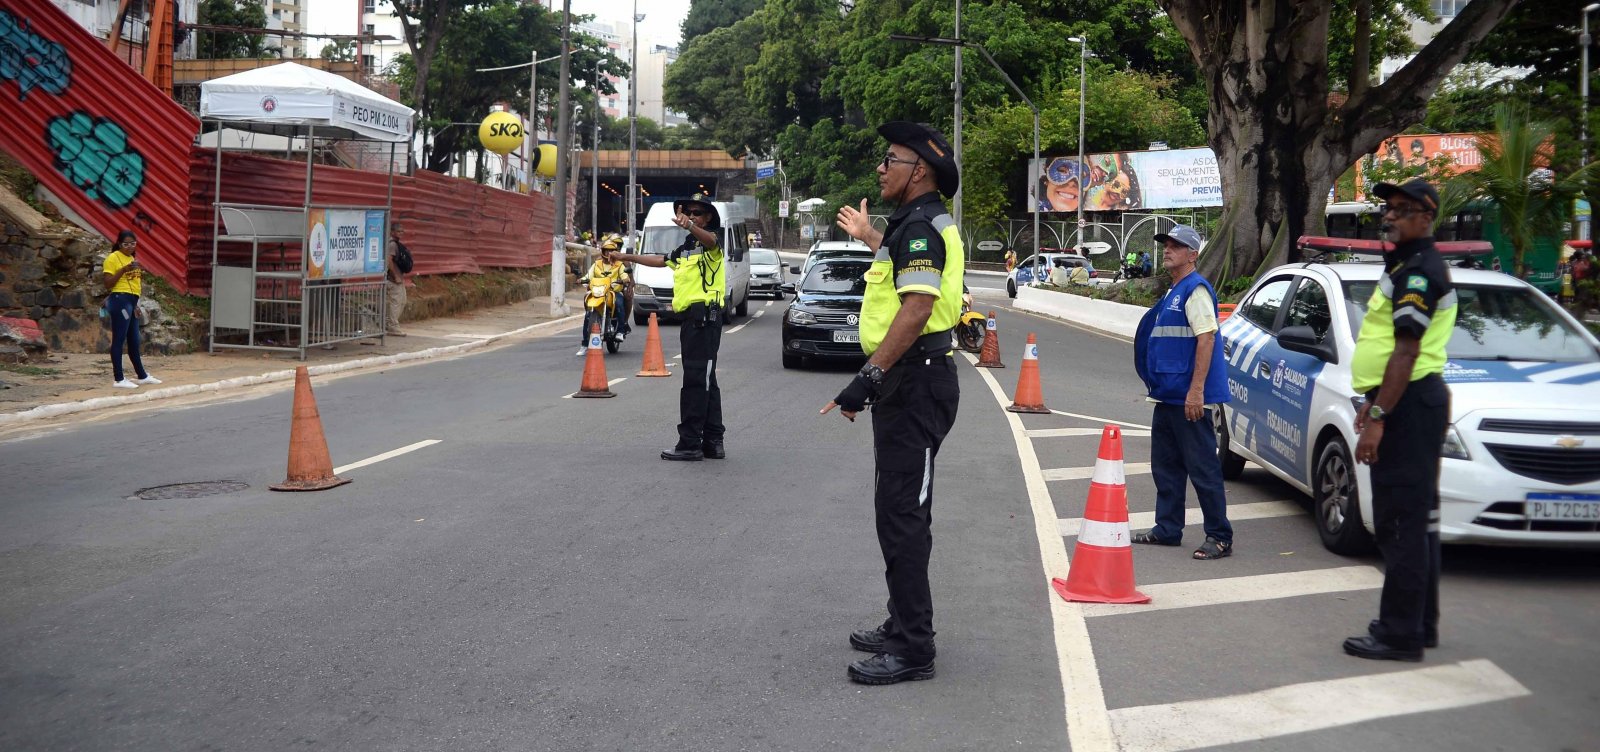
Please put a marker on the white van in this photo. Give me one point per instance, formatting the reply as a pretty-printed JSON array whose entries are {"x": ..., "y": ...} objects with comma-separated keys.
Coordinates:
[{"x": 652, "y": 291}]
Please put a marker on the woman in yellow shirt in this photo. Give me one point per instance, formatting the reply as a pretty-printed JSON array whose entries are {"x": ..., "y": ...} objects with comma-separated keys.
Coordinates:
[{"x": 123, "y": 277}]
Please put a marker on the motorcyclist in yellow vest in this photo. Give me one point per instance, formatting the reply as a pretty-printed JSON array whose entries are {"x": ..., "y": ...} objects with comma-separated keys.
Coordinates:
[
  {"x": 912, "y": 301},
  {"x": 699, "y": 281},
  {"x": 616, "y": 275}
]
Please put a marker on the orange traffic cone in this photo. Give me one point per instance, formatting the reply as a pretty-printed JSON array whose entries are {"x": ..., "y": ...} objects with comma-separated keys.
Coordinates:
[
  {"x": 595, "y": 383},
  {"x": 990, "y": 356},
  {"x": 1102, "y": 562},
  {"x": 1029, "y": 398},
  {"x": 655, "y": 362},
  {"x": 310, "y": 468}
]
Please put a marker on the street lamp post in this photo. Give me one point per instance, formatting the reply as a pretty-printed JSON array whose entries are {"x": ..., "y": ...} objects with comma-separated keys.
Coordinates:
[
  {"x": 958, "y": 44},
  {"x": 633, "y": 131},
  {"x": 955, "y": 202},
  {"x": 1583, "y": 87},
  {"x": 1083, "y": 59},
  {"x": 594, "y": 159}
]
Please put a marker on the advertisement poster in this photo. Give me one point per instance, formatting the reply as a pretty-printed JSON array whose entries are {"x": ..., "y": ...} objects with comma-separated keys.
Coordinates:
[
  {"x": 1132, "y": 180},
  {"x": 1418, "y": 150},
  {"x": 344, "y": 243}
]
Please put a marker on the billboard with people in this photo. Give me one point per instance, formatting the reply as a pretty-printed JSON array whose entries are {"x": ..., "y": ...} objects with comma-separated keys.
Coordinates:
[
  {"x": 1127, "y": 181},
  {"x": 1420, "y": 151}
]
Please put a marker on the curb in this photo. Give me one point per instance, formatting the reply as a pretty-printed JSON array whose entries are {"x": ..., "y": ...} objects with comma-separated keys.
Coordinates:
[
  {"x": 97, "y": 403},
  {"x": 1119, "y": 319}
]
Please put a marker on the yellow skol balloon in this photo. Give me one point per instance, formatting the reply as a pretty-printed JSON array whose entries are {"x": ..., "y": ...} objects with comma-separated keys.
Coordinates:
[
  {"x": 500, "y": 132},
  {"x": 544, "y": 160}
]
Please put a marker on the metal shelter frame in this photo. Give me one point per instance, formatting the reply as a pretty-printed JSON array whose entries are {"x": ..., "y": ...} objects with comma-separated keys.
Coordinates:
[{"x": 277, "y": 306}]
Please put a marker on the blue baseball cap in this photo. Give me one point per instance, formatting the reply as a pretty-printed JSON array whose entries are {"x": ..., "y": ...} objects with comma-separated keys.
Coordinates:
[{"x": 1183, "y": 234}]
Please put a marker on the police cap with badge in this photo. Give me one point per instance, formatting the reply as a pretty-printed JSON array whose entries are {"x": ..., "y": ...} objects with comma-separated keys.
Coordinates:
[{"x": 931, "y": 146}]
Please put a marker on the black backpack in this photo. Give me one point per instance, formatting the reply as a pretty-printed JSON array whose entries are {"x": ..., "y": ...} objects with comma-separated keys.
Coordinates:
[{"x": 402, "y": 258}]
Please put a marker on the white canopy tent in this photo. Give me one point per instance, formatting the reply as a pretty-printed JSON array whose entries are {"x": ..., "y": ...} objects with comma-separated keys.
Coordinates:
[
  {"x": 335, "y": 291},
  {"x": 290, "y": 96}
]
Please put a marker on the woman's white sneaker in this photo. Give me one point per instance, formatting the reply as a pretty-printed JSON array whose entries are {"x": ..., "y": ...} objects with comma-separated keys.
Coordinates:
[
  {"x": 124, "y": 384},
  {"x": 147, "y": 380}
]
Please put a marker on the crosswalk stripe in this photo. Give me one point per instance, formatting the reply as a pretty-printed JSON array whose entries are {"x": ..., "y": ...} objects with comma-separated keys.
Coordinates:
[
  {"x": 1259, "y": 587},
  {"x": 1193, "y": 516},
  {"x": 1100, "y": 420},
  {"x": 1298, "y": 708},
  {"x": 1081, "y": 473},
  {"x": 1051, "y": 433}
]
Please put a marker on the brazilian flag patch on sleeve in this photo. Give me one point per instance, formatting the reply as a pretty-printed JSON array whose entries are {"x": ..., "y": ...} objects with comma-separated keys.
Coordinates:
[
  {"x": 919, "y": 244},
  {"x": 1417, "y": 283}
]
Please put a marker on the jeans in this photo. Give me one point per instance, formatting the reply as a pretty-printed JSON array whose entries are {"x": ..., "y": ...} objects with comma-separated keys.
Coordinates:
[
  {"x": 1185, "y": 451},
  {"x": 123, "y": 311}
]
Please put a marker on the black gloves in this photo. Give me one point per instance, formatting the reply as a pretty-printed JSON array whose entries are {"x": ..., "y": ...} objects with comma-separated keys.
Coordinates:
[{"x": 855, "y": 397}]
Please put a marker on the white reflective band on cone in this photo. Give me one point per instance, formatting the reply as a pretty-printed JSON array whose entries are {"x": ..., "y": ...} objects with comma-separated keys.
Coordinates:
[
  {"x": 1031, "y": 352},
  {"x": 594, "y": 341},
  {"x": 1109, "y": 472},
  {"x": 991, "y": 325},
  {"x": 1104, "y": 534}
]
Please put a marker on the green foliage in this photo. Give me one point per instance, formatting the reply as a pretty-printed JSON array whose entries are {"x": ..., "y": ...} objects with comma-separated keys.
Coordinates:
[
  {"x": 707, "y": 84},
  {"x": 1391, "y": 23},
  {"x": 831, "y": 161},
  {"x": 341, "y": 51},
  {"x": 249, "y": 14},
  {"x": 1124, "y": 110},
  {"x": 648, "y": 134},
  {"x": 1532, "y": 202},
  {"x": 706, "y": 16}
]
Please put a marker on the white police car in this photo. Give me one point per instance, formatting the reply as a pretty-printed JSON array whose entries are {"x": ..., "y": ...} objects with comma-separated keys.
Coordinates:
[{"x": 1522, "y": 455}]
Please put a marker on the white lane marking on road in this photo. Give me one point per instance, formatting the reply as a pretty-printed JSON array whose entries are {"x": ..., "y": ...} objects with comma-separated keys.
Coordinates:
[
  {"x": 612, "y": 382},
  {"x": 391, "y": 454},
  {"x": 1258, "y": 587},
  {"x": 1080, "y": 473},
  {"x": 1298, "y": 708},
  {"x": 1101, "y": 420},
  {"x": 1192, "y": 516},
  {"x": 679, "y": 356},
  {"x": 1088, "y": 721},
  {"x": 736, "y": 329},
  {"x": 1054, "y": 433},
  {"x": 759, "y": 314},
  {"x": 768, "y": 304}
]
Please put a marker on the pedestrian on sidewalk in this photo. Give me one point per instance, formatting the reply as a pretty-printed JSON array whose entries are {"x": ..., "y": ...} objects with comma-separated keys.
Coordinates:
[
  {"x": 400, "y": 264},
  {"x": 1176, "y": 353},
  {"x": 911, "y": 304},
  {"x": 1398, "y": 365},
  {"x": 699, "y": 281},
  {"x": 123, "y": 276}
]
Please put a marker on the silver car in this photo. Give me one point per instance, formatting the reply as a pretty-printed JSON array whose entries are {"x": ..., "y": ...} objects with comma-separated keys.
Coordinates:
[{"x": 766, "y": 273}]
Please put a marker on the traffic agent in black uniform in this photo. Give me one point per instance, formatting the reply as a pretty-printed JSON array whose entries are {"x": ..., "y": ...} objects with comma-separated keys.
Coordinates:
[
  {"x": 912, "y": 302},
  {"x": 1398, "y": 362},
  {"x": 699, "y": 282}
]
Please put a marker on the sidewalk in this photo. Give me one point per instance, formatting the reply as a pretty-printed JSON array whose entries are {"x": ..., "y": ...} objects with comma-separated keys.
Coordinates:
[{"x": 74, "y": 382}]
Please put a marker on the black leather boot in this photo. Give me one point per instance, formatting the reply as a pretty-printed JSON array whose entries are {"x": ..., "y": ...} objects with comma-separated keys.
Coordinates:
[
  {"x": 683, "y": 455},
  {"x": 713, "y": 450}
]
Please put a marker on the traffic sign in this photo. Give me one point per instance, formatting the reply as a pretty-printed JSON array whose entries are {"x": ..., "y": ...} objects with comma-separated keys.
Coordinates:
[
  {"x": 766, "y": 169},
  {"x": 783, "y": 209}
]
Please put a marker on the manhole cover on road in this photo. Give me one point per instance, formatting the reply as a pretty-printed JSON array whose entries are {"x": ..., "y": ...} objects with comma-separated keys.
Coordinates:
[{"x": 191, "y": 490}]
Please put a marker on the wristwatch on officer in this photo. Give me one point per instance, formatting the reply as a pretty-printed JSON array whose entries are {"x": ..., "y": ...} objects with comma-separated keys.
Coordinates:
[
  {"x": 872, "y": 374},
  {"x": 1375, "y": 413}
]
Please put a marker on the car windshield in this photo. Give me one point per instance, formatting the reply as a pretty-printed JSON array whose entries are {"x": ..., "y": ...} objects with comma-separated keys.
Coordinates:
[
  {"x": 1497, "y": 323},
  {"x": 763, "y": 256},
  {"x": 837, "y": 278}
]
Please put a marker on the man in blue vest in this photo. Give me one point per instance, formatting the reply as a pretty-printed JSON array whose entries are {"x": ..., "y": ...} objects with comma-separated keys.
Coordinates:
[{"x": 1176, "y": 354}]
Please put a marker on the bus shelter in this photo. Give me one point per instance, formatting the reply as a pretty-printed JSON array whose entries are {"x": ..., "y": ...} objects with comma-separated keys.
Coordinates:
[{"x": 332, "y": 289}]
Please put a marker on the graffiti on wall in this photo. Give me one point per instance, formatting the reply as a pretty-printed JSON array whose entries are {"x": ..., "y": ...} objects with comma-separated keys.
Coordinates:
[
  {"x": 93, "y": 153},
  {"x": 31, "y": 60}
]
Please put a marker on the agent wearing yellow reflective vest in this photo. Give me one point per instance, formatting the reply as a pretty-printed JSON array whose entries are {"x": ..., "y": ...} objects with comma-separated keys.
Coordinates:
[
  {"x": 912, "y": 302},
  {"x": 699, "y": 279},
  {"x": 1397, "y": 365}
]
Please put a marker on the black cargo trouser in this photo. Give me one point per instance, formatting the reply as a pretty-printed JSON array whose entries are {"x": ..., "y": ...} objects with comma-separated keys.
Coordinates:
[
  {"x": 1405, "y": 510},
  {"x": 700, "y": 399},
  {"x": 915, "y": 410}
]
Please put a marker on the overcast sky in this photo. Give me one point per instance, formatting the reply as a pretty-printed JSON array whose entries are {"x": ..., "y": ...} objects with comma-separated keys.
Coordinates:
[{"x": 661, "y": 25}]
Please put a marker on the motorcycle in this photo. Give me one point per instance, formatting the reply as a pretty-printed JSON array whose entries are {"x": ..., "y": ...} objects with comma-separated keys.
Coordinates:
[
  {"x": 600, "y": 304},
  {"x": 972, "y": 327},
  {"x": 1131, "y": 271}
]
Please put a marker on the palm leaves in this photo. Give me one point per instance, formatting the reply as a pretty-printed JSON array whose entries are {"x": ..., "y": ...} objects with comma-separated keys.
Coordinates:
[{"x": 1514, "y": 176}]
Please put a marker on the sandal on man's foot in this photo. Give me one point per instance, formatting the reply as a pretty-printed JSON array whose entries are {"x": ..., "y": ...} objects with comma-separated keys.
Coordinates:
[
  {"x": 1213, "y": 549},
  {"x": 1149, "y": 536}
]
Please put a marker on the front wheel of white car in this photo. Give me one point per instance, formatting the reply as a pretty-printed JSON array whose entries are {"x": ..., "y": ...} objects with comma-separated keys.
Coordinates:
[{"x": 1336, "y": 501}]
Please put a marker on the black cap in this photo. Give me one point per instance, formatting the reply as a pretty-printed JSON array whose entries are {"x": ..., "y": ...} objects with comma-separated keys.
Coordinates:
[
  {"x": 698, "y": 198},
  {"x": 929, "y": 144},
  {"x": 1415, "y": 189}
]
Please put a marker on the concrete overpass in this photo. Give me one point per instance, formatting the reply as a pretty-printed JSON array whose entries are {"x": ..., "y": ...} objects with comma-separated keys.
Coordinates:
[{"x": 663, "y": 176}]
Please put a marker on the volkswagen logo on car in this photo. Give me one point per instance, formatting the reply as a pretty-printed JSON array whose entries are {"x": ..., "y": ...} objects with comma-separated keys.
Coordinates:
[{"x": 852, "y": 319}]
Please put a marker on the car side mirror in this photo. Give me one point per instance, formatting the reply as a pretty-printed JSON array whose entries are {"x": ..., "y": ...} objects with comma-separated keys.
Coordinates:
[
  {"x": 794, "y": 269},
  {"x": 1302, "y": 339},
  {"x": 787, "y": 287}
]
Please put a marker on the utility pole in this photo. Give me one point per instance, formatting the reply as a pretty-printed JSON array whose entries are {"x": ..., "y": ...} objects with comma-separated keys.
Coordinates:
[
  {"x": 594, "y": 159},
  {"x": 1083, "y": 89},
  {"x": 955, "y": 201},
  {"x": 558, "y": 242},
  {"x": 633, "y": 133}
]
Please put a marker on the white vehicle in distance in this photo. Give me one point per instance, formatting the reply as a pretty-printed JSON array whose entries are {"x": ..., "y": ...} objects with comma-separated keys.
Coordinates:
[
  {"x": 1522, "y": 454},
  {"x": 829, "y": 249},
  {"x": 766, "y": 273}
]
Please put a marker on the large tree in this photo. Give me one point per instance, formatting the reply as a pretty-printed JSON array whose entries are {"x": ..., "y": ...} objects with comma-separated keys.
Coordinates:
[
  {"x": 706, "y": 16},
  {"x": 244, "y": 14},
  {"x": 1281, "y": 139}
]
